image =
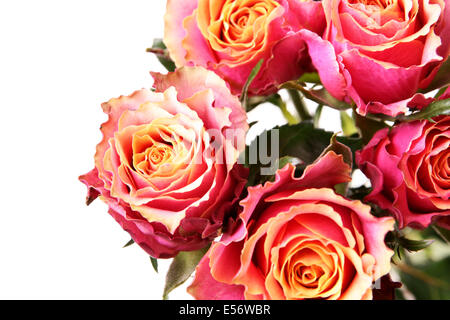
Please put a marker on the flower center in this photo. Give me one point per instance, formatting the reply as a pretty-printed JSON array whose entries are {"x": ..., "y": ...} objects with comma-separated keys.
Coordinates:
[
  {"x": 308, "y": 270},
  {"x": 308, "y": 276},
  {"x": 234, "y": 24},
  {"x": 152, "y": 158},
  {"x": 242, "y": 21},
  {"x": 158, "y": 153},
  {"x": 440, "y": 168},
  {"x": 151, "y": 148}
]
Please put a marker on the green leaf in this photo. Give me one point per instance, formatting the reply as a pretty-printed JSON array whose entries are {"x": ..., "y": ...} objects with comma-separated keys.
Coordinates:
[
  {"x": 280, "y": 163},
  {"x": 251, "y": 77},
  {"x": 303, "y": 141},
  {"x": 440, "y": 92},
  {"x": 397, "y": 238},
  {"x": 341, "y": 188},
  {"x": 359, "y": 193},
  {"x": 181, "y": 268},
  {"x": 300, "y": 141},
  {"x": 321, "y": 96},
  {"x": 154, "y": 262},
  {"x": 435, "y": 109},
  {"x": 398, "y": 254},
  {"x": 441, "y": 79},
  {"x": 414, "y": 245},
  {"x": 283, "y": 161},
  {"x": 310, "y": 77},
  {"x": 129, "y": 243},
  {"x": 160, "y": 50},
  {"x": 261, "y": 146},
  {"x": 307, "y": 143}
]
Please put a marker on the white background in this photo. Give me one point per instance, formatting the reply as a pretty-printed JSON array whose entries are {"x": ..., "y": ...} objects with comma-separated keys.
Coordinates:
[{"x": 59, "y": 60}]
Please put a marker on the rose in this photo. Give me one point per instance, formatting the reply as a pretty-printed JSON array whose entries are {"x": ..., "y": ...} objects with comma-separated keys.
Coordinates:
[
  {"x": 231, "y": 36},
  {"x": 384, "y": 51},
  {"x": 166, "y": 164},
  {"x": 379, "y": 53},
  {"x": 297, "y": 239},
  {"x": 408, "y": 167}
]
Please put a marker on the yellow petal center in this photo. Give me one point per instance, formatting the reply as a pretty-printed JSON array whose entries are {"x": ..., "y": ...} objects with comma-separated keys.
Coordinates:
[{"x": 235, "y": 28}]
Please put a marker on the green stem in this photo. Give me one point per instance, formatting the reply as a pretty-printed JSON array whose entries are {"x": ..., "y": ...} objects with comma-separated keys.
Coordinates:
[
  {"x": 299, "y": 104},
  {"x": 348, "y": 124},
  {"x": 418, "y": 274},
  {"x": 317, "y": 115},
  {"x": 439, "y": 233},
  {"x": 287, "y": 115}
]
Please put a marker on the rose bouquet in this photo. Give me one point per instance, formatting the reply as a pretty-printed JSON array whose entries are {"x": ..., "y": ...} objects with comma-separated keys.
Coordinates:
[{"x": 281, "y": 214}]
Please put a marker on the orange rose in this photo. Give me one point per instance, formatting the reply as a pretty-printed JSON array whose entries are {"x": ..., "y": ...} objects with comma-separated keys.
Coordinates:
[
  {"x": 297, "y": 239},
  {"x": 166, "y": 167},
  {"x": 231, "y": 36}
]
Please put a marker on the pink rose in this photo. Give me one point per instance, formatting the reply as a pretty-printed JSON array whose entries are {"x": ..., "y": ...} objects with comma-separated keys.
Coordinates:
[
  {"x": 379, "y": 53},
  {"x": 166, "y": 164},
  {"x": 409, "y": 170},
  {"x": 231, "y": 36},
  {"x": 295, "y": 238}
]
